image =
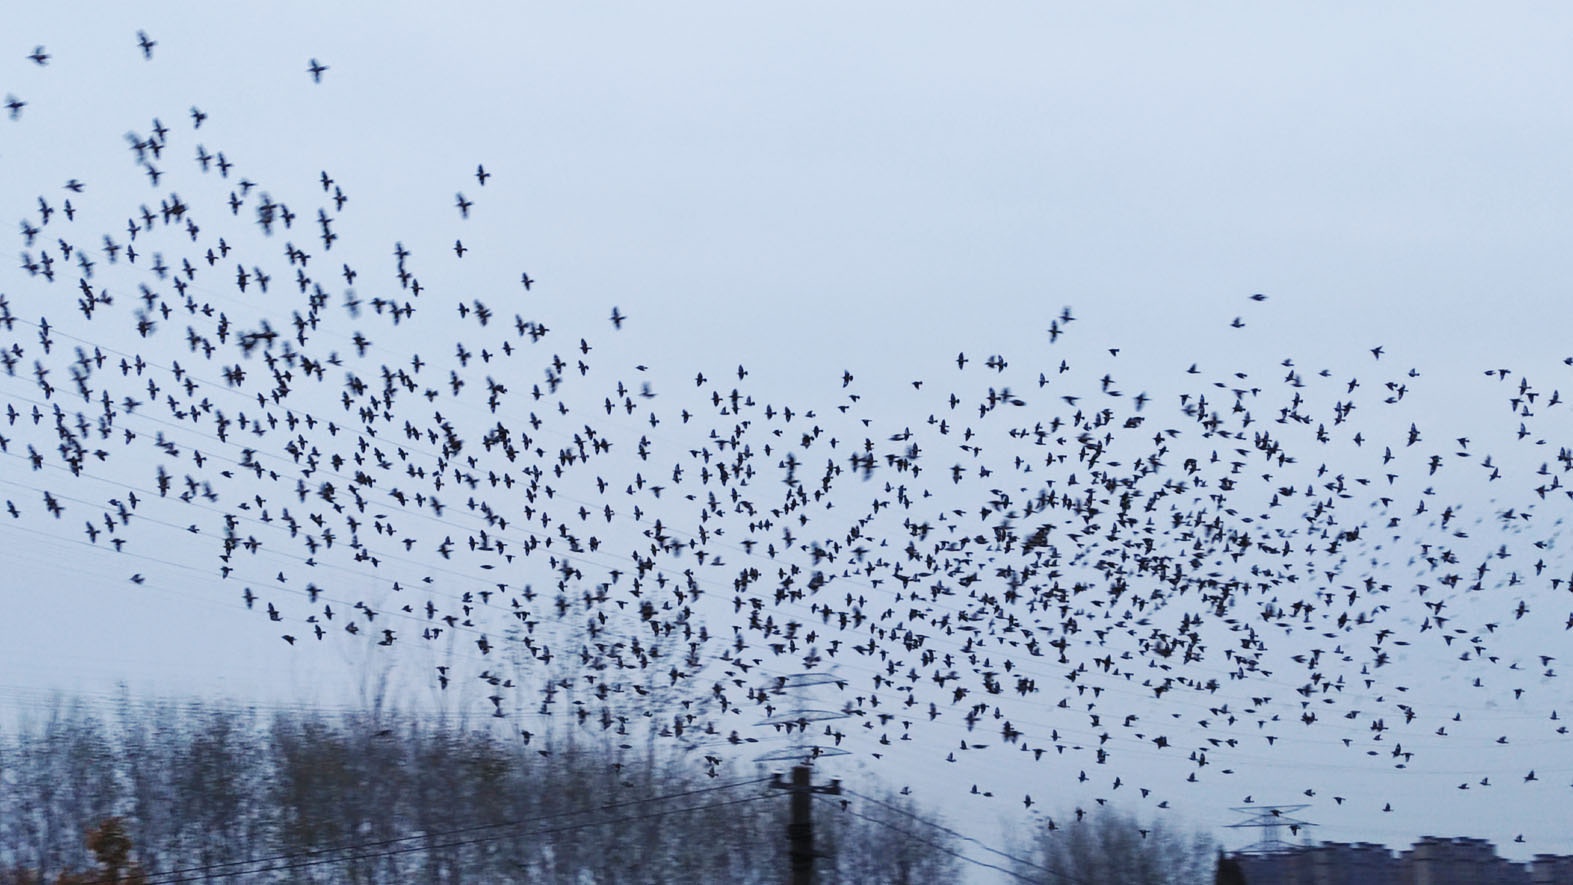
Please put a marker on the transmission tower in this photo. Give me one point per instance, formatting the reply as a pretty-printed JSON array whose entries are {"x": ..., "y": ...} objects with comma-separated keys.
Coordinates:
[{"x": 1270, "y": 819}]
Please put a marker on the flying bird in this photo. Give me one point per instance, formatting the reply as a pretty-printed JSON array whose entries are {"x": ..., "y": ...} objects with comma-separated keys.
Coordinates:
[{"x": 1119, "y": 537}]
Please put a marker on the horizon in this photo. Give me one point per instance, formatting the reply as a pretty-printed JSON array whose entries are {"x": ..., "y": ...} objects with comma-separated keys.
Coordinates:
[{"x": 866, "y": 342}]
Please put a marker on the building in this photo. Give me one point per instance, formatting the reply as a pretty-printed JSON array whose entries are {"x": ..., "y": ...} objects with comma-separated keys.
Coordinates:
[{"x": 1431, "y": 861}]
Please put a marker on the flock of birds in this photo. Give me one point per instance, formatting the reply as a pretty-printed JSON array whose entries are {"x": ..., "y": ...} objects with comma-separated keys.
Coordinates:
[{"x": 1035, "y": 560}]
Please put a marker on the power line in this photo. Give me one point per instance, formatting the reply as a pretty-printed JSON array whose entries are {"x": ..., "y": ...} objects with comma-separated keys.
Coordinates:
[
  {"x": 952, "y": 852},
  {"x": 394, "y": 852},
  {"x": 396, "y": 846},
  {"x": 965, "y": 838}
]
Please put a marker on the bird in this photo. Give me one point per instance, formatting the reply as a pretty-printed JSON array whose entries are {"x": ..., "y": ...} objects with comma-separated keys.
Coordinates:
[
  {"x": 316, "y": 69},
  {"x": 39, "y": 56},
  {"x": 1142, "y": 559},
  {"x": 146, "y": 44}
]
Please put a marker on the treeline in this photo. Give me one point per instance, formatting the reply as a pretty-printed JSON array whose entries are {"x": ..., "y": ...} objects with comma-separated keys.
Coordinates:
[
  {"x": 199, "y": 792},
  {"x": 1107, "y": 846}
]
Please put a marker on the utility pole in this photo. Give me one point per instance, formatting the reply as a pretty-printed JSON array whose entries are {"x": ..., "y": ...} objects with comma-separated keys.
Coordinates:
[
  {"x": 795, "y": 723},
  {"x": 800, "y": 831}
]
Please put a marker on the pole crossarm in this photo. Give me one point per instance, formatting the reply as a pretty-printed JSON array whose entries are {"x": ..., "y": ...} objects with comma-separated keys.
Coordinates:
[{"x": 800, "y": 831}]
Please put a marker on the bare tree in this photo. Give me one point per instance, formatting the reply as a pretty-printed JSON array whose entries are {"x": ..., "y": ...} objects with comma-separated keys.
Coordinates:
[
  {"x": 111, "y": 849},
  {"x": 209, "y": 793},
  {"x": 64, "y": 767},
  {"x": 883, "y": 840},
  {"x": 1109, "y": 847}
]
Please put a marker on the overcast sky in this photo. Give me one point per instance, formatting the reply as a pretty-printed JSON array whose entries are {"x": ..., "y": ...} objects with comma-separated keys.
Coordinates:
[{"x": 813, "y": 190}]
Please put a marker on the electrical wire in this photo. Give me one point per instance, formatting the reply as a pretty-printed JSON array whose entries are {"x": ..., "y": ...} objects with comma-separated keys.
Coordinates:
[
  {"x": 965, "y": 838},
  {"x": 952, "y": 852},
  {"x": 397, "y": 846}
]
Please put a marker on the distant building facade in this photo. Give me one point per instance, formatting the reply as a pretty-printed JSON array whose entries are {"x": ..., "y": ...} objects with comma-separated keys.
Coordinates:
[{"x": 1431, "y": 861}]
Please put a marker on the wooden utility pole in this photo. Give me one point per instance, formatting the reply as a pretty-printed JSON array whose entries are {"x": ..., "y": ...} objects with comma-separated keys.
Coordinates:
[{"x": 800, "y": 830}]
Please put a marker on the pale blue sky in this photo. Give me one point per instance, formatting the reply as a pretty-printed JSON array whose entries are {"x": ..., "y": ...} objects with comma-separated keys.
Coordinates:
[{"x": 814, "y": 188}]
